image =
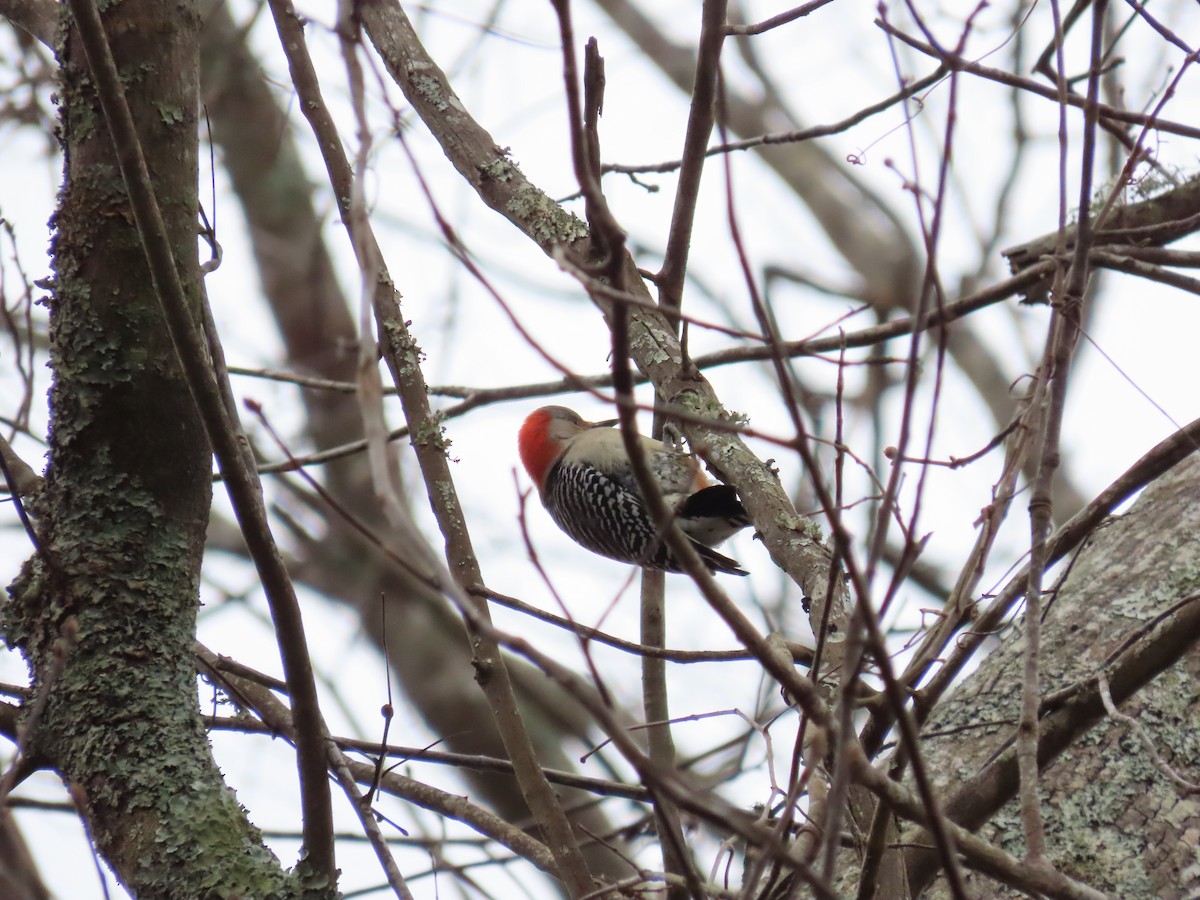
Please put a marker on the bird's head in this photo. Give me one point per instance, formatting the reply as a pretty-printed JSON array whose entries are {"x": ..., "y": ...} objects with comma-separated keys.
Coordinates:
[{"x": 545, "y": 436}]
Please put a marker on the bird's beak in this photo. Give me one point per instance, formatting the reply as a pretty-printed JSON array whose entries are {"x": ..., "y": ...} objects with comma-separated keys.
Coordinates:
[{"x": 607, "y": 423}]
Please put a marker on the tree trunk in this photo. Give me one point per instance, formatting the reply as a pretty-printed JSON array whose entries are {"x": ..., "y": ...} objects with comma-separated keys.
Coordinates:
[
  {"x": 1112, "y": 819},
  {"x": 105, "y": 613}
]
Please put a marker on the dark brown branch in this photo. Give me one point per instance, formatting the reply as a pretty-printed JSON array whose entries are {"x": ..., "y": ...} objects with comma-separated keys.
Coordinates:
[
  {"x": 278, "y": 719},
  {"x": 795, "y": 136},
  {"x": 1164, "y": 456},
  {"x": 399, "y": 349},
  {"x": 1108, "y": 113},
  {"x": 37, "y": 17}
]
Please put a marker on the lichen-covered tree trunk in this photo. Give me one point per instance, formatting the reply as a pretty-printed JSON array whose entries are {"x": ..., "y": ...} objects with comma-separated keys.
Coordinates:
[
  {"x": 105, "y": 612},
  {"x": 1112, "y": 818}
]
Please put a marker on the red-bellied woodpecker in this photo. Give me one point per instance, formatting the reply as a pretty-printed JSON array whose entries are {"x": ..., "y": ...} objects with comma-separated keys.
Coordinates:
[{"x": 587, "y": 485}]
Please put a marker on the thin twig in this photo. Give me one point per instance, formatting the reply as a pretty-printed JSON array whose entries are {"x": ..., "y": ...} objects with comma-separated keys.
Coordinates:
[{"x": 1132, "y": 725}]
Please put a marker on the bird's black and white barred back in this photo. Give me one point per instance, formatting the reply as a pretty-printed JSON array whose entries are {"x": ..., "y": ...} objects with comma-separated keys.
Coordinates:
[
  {"x": 585, "y": 479},
  {"x": 601, "y": 514}
]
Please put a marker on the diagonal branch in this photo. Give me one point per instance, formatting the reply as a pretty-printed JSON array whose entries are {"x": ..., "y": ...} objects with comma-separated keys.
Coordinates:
[
  {"x": 795, "y": 543},
  {"x": 400, "y": 353}
]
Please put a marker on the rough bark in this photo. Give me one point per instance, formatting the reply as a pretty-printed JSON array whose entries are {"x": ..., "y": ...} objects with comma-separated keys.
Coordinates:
[
  {"x": 1112, "y": 819},
  {"x": 105, "y": 613}
]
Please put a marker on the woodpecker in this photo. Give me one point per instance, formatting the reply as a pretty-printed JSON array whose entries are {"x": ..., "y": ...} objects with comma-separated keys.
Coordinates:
[{"x": 586, "y": 483}]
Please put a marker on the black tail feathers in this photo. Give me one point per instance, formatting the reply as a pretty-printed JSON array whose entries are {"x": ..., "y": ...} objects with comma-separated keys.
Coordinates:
[
  {"x": 717, "y": 501},
  {"x": 718, "y": 562}
]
